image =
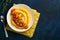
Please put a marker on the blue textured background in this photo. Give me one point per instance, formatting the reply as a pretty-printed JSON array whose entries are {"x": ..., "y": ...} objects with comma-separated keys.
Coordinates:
[{"x": 48, "y": 27}]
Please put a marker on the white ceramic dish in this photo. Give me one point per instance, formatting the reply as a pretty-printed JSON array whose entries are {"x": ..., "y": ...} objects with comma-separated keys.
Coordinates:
[{"x": 9, "y": 18}]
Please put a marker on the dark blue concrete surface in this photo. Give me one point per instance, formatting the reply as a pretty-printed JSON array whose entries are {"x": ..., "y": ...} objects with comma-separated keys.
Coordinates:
[{"x": 48, "y": 27}]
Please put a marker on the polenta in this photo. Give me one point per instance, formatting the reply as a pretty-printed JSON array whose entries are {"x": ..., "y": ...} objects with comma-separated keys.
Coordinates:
[{"x": 20, "y": 17}]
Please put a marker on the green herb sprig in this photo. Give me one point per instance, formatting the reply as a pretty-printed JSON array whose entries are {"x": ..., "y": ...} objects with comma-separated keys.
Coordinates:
[{"x": 5, "y": 5}]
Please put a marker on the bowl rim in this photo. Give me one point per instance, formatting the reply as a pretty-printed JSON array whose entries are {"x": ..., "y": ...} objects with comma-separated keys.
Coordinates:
[{"x": 14, "y": 28}]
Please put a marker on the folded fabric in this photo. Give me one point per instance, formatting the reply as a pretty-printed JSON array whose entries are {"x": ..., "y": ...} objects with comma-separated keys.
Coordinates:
[{"x": 29, "y": 33}]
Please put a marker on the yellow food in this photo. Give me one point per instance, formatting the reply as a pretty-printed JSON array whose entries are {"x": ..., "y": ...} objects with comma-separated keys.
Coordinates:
[
  {"x": 26, "y": 12},
  {"x": 20, "y": 17}
]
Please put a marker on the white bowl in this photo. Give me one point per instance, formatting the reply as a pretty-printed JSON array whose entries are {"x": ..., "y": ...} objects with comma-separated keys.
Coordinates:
[{"x": 9, "y": 17}]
